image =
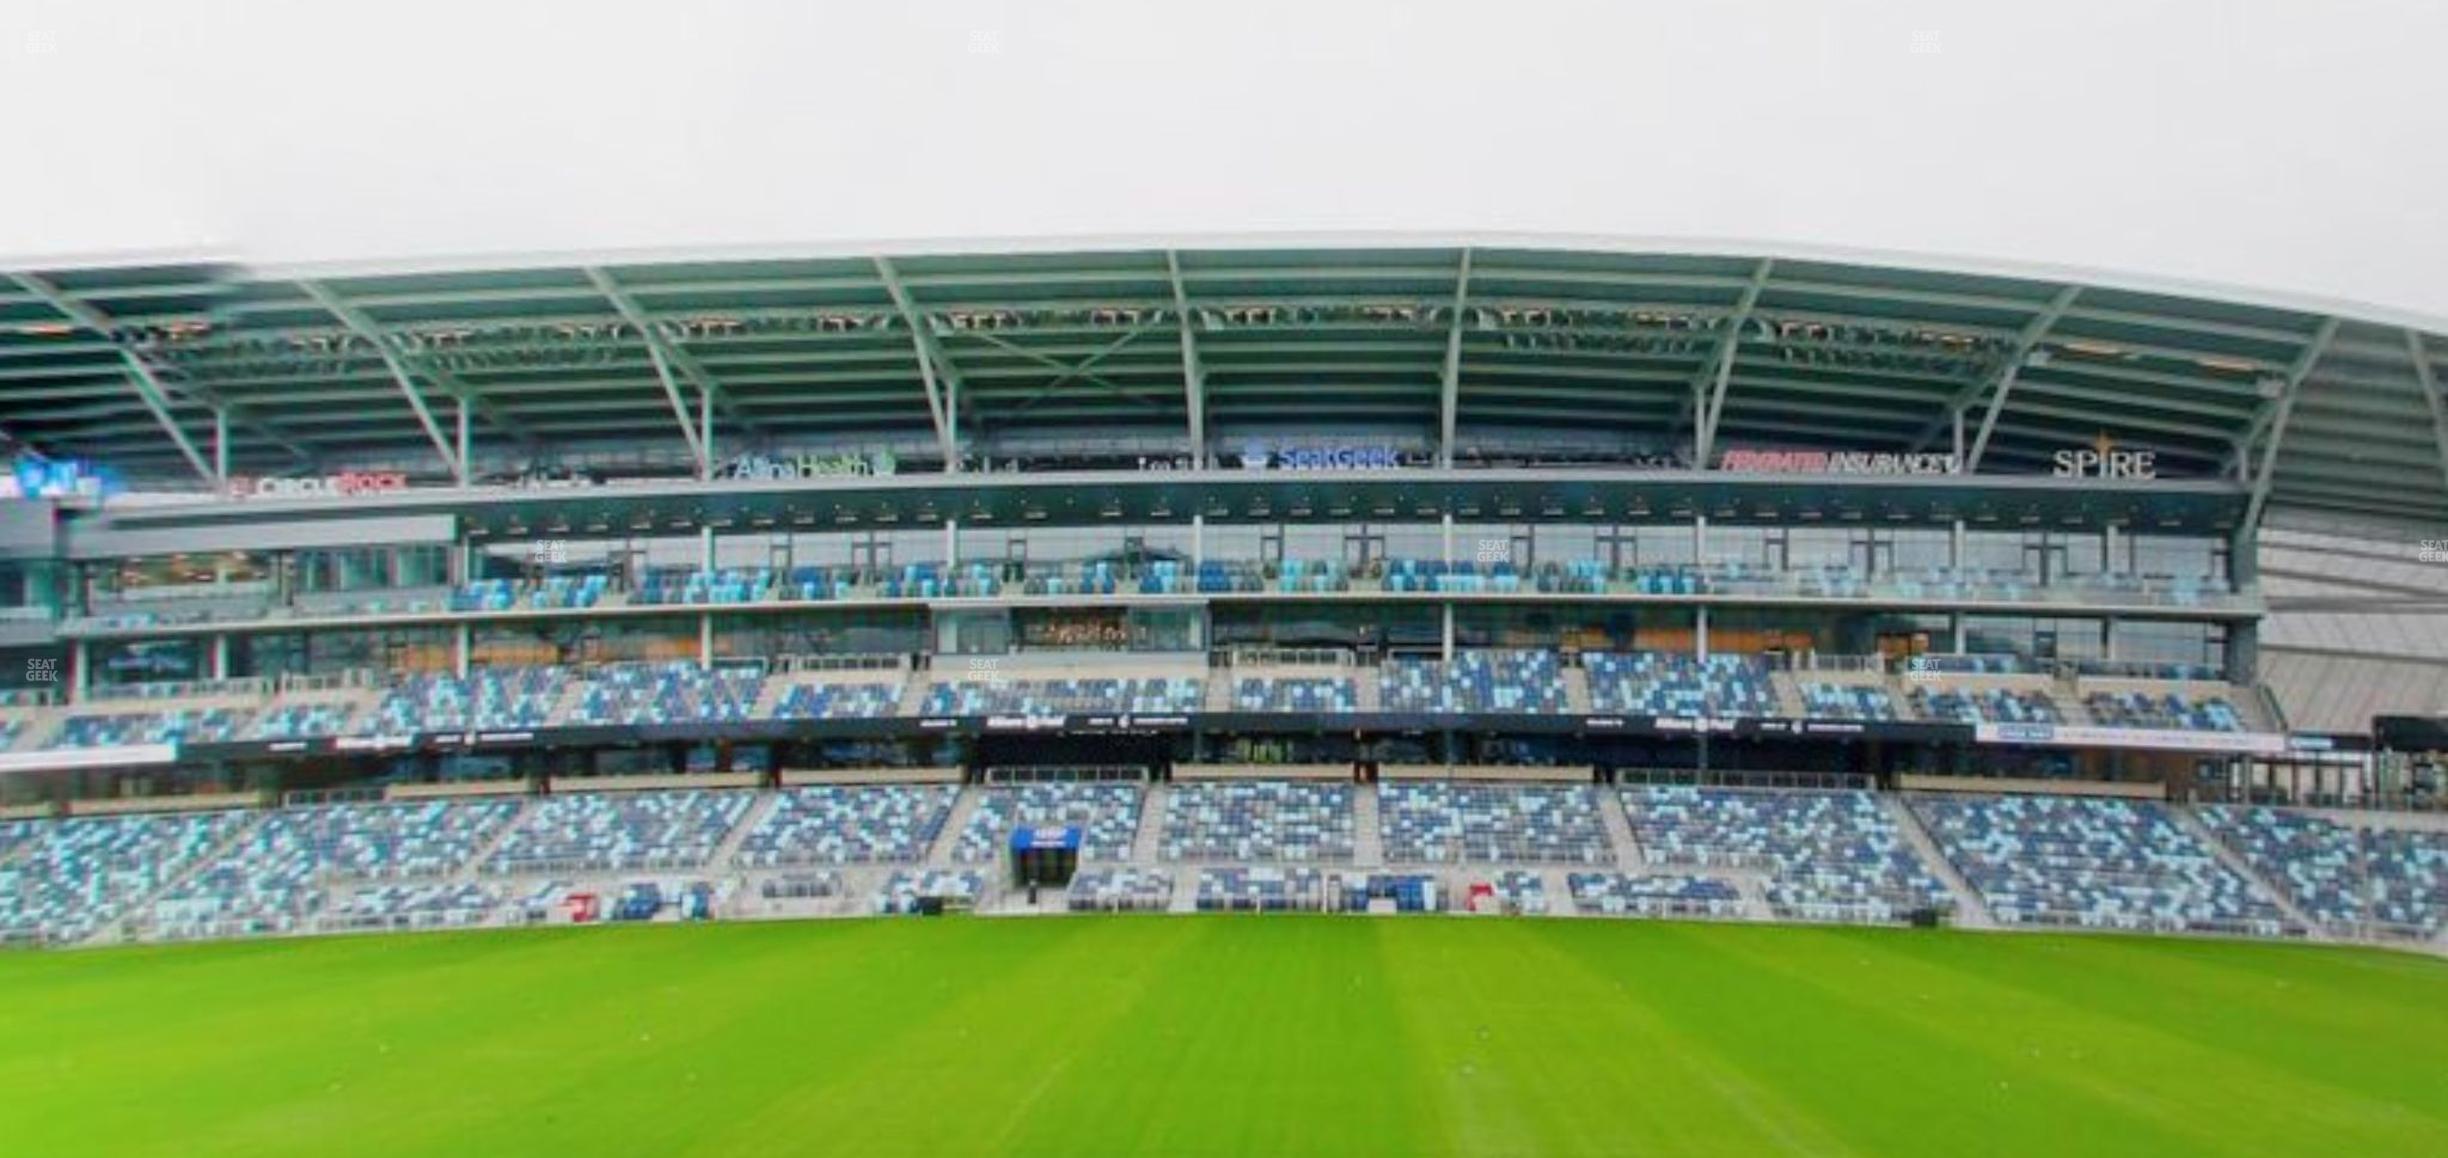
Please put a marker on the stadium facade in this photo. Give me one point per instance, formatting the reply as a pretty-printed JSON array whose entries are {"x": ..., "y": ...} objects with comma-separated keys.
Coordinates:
[{"x": 1376, "y": 559}]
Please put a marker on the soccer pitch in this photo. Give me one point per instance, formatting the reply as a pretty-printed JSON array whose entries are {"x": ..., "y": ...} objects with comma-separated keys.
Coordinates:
[{"x": 1223, "y": 1035}]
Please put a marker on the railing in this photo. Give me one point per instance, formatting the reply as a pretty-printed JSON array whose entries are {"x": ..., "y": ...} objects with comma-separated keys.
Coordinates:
[
  {"x": 353, "y": 678},
  {"x": 29, "y": 697},
  {"x": 1716, "y": 778},
  {"x": 811, "y": 663},
  {"x": 1290, "y": 657},
  {"x": 1810, "y": 661},
  {"x": 310, "y": 797},
  {"x": 180, "y": 689}
]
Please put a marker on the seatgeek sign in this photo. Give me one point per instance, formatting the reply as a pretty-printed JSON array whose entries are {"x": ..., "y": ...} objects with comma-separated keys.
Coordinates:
[
  {"x": 346, "y": 484},
  {"x": 1330, "y": 457}
]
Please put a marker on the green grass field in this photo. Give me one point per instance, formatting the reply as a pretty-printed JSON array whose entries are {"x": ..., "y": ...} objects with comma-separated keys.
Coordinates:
[{"x": 1265, "y": 1036}]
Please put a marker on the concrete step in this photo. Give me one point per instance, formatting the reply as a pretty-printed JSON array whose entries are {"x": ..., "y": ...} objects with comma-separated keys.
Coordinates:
[
  {"x": 1628, "y": 853},
  {"x": 1150, "y": 837},
  {"x": 2193, "y": 827},
  {"x": 1970, "y": 910},
  {"x": 1368, "y": 840},
  {"x": 757, "y": 811},
  {"x": 964, "y": 806},
  {"x": 140, "y": 911}
]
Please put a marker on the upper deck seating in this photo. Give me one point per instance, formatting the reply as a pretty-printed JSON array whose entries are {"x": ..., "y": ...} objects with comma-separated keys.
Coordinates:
[
  {"x": 1296, "y": 694},
  {"x": 865, "y": 700},
  {"x": 1476, "y": 681},
  {"x": 2104, "y": 864},
  {"x": 819, "y": 583},
  {"x": 843, "y": 824},
  {"x": 1660, "y": 683},
  {"x": 1828, "y": 855},
  {"x": 299, "y": 721},
  {"x": 1437, "y": 822},
  {"x": 487, "y": 699},
  {"x": 1258, "y": 820},
  {"x": 1107, "y": 813},
  {"x": 1826, "y": 701},
  {"x": 1047, "y": 697},
  {"x": 1985, "y": 706},
  {"x": 2173, "y": 710},
  {"x": 620, "y": 831},
  {"x": 697, "y": 588},
  {"x": 104, "y": 729},
  {"x": 2344, "y": 875},
  {"x": 75, "y": 876},
  {"x": 668, "y": 693}
]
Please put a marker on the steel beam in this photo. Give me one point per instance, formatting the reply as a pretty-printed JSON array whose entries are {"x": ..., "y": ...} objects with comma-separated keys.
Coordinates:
[
  {"x": 2002, "y": 382},
  {"x": 675, "y": 355},
  {"x": 931, "y": 363},
  {"x": 1449, "y": 399},
  {"x": 141, "y": 375},
  {"x": 1705, "y": 397},
  {"x": 2429, "y": 380},
  {"x": 365, "y": 327},
  {"x": 1194, "y": 375},
  {"x": 2293, "y": 386}
]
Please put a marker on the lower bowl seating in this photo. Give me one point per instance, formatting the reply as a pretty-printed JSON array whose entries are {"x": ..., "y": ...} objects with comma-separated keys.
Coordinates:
[
  {"x": 1258, "y": 820},
  {"x": 828, "y": 824},
  {"x": 2095, "y": 864},
  {"x": 1440, "y": 823},
  {"x": 2349, "y": 877},
  {"x": 904, "y": 891},
  {"x": 72, "y": 878},
  {"x": 1120, "y": 889},
  {"x": 1259, "y": 890},
  {"x": 1656, "y": 895},
  {"x": 400, "y": 907},
  {"x": 1829, "y": 856},
  {"x": 1107, "y": 813},
  {"x": 620, "y": 831}
]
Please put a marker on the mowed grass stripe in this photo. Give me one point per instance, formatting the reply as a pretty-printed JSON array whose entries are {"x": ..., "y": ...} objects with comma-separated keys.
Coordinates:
[{"x": 1225, "y": 1035}]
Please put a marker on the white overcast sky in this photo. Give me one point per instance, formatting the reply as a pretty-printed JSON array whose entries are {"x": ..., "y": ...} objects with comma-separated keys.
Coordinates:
[{"x": 2290, "y": 146}]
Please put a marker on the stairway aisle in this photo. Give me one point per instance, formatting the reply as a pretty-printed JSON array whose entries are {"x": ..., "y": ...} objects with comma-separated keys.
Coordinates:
[
  {"x": 2193, "y": 827},
  {"x": 1970, "y": 910},
  {"x": 720, "y": 861},
  {"x": 1368, "y": 841},
  {"x": 964, "y": 806},
  {"x": 1150, "y": 837},
  {"x": 1627, "y": 847}
]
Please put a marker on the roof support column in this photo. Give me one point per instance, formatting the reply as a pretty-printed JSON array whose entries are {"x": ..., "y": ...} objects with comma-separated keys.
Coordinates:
[
  {"x": 467, "y": 439},
  {"x": 2278, "y": 423},
  {"x": 1194, "y": 375},
  {"x": 2429, "y": 381},
  {"x": 1450, "y": 397},
  {"x": 940, "y": 399},
  {"x": 1708, "y": 388},
  {"x": 364, "y": 327},
  {"x": 221, "y": 447}
]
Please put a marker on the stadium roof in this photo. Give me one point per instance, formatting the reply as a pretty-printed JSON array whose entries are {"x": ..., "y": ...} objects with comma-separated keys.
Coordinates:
[{"x": 1495, "y": 338}]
